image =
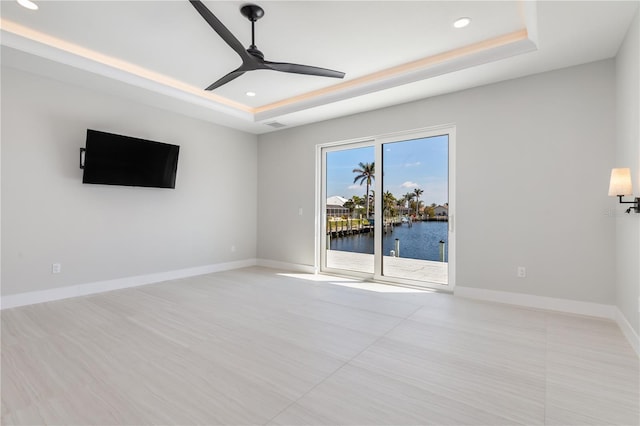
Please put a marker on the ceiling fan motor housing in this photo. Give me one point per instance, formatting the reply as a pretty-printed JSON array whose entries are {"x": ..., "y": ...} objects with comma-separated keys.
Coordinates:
[{"x": 252, "y": 12}]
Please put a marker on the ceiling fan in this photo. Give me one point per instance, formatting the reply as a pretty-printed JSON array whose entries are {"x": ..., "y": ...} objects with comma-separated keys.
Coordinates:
[{"x": 252, "y": 58}]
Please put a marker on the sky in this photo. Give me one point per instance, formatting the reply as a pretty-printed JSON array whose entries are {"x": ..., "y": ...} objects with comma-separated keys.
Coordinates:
[{"x": 419, "y": 163}]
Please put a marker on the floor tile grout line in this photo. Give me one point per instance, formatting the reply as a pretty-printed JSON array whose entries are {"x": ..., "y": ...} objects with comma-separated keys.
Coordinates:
[
  {"x": 370, "y": 310},
  {"x": 402, "y": 320}
]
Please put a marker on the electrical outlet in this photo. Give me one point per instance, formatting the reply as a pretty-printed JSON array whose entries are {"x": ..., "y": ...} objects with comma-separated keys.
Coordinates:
[
  {"x": 56, "y": 268},
  {"x": 233, "y": 249},
  {"x": 300, "y": 211},
  {"x": 522, "y": 272}
]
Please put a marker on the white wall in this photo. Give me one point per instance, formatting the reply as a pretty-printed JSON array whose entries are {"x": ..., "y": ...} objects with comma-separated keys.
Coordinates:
[
  {"x": 628, "y": 155},
  {"x": 533, "y": 159},
  {"x": 100, "y": 232}
]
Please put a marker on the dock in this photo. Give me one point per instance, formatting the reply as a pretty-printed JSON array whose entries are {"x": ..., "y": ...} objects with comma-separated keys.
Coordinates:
[{"x": 344, "y": 227}]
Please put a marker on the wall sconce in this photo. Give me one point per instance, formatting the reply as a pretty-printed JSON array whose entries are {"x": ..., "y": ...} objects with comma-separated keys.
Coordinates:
[{"x": 620, "y": 185}]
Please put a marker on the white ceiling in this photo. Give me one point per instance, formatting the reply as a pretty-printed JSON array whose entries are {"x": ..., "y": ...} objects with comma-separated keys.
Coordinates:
[{"x": 163, "y": 53}]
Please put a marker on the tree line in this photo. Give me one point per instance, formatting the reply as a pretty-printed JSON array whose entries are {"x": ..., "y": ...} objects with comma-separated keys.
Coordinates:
[{"x": 392, "y": 205}]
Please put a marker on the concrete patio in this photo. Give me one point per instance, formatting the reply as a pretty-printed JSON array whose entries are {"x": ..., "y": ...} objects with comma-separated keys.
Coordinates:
[{"x": 398, "y": 267}]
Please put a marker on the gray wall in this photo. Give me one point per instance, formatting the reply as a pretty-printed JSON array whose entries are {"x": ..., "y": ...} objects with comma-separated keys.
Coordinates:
[
  {"x": 537, "y": 149},
  {"x": 102, "y": 232},
  {"x": 533, "y": 160},
  {"x": 628, "y": 155}
]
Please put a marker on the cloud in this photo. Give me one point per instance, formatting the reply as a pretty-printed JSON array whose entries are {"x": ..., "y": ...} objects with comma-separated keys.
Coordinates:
[
  {"x": 409, "y": 184},
  {"x": 417, "y": 163},
  {"x": 354, "y": 186}
]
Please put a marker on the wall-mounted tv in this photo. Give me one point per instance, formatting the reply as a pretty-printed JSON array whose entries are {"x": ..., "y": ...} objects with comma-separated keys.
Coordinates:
[{"x": 111, "y": 159}]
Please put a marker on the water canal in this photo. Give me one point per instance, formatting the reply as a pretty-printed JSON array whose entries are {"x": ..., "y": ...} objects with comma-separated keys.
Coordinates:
[{"x": 421, "y": 240}]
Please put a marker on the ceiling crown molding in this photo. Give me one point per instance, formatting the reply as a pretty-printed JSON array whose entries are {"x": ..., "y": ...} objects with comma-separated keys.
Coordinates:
[
  {"x": 494, "y": 49},
  {"x": 42, "y": 45}
]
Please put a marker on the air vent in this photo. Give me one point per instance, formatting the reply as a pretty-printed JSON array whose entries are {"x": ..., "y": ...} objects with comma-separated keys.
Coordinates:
[{"x": 276, "y": 125}]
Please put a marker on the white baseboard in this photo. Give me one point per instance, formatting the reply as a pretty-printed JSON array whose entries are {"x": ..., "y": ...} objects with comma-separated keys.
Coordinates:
[
  {"x": 32, "y": 297},
  {"x": 539, "y": 302},
  {"x": 293, "y": 267},
  {"x": 627, "y": 330},
  {"x": 598, "y": 310}
]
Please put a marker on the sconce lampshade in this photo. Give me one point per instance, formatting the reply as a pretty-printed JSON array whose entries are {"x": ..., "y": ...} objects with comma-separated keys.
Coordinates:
[{"x": 620, "y": 183}]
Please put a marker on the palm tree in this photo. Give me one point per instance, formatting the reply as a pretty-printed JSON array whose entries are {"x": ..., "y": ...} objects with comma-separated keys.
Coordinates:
[
  {"x": 358, "y": 202},
  {"x": 409, "y": 196},
  {"x": 372, "y": 197},
  {"x": 418, "y": 192},
  {"x": 388, "y": 201},
  {"x": 366, "y": 174},
  {"x": 401, "y": 203},
  {"x": 349, "y": 204}
]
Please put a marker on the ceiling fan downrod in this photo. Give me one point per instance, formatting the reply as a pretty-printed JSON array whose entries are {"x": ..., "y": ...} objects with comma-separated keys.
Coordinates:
[{"x": 253, "y": 12}]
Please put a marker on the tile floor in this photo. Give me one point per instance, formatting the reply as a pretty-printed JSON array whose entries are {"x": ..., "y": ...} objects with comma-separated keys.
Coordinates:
[{"x": 255, "y": 346}]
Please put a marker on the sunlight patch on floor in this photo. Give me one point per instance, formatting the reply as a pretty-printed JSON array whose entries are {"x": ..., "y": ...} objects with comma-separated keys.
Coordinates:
[{"x": 354, "y": 283}]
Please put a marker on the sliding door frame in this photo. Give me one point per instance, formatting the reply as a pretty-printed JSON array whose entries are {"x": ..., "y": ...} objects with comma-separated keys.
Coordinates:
[
  {"x": 321, "y": 204},
  {"x": 377, "y": 142}
]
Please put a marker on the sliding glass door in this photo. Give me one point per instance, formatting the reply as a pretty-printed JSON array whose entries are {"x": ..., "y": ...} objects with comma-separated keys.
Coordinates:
[
  {"x": 387, "y": 208},
  {"x": 415, "y": 209},
  {"x": 349, "y": 211}
]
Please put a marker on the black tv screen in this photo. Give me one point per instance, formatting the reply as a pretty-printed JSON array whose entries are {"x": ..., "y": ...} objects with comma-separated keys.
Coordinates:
[{"x": 111, "y": 159}]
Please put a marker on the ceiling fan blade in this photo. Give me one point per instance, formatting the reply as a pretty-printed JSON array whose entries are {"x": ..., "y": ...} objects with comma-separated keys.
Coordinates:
[
  {"x": 303, "y": 69},
  {"x": 227, "y": 78},
  {"x": 252, "y": 58},
  {"x": 219, "y": 27}
]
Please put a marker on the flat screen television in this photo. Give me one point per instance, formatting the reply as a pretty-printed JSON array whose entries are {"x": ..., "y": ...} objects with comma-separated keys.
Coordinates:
[{"x": 111, "y": 159}]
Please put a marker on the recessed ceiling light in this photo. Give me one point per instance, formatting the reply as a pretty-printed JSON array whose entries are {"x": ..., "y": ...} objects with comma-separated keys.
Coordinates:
[
  {"x": 28, "y": 4},
  {"x": 462, "y": 22},
  {"x": 250, "y": 94}
]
